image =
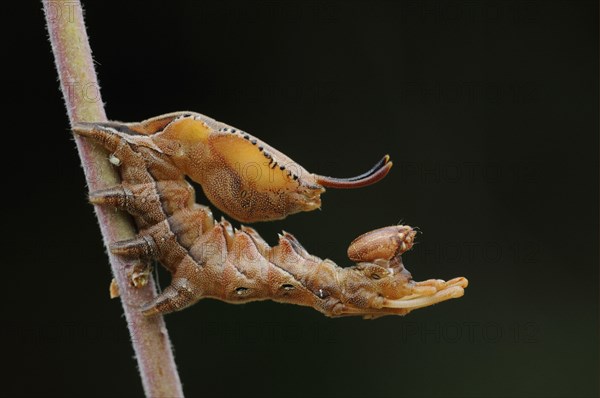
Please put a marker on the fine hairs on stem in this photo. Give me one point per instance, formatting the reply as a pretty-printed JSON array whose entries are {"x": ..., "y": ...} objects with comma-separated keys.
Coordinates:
[{"x": 75, "y": 67}]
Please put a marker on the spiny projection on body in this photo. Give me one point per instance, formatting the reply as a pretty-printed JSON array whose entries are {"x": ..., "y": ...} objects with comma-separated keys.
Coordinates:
[{"x": 250, "y": 181}]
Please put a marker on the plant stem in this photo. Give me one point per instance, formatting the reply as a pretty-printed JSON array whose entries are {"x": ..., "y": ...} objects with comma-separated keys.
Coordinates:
[{"x": 81, "y": 92}]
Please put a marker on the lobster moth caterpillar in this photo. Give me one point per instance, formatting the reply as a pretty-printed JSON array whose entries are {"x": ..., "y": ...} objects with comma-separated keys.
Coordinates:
[{"x": 250, "y": 181}]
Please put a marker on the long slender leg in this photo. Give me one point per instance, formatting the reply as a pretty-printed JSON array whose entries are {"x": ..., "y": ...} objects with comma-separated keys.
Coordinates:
[
  {"x": 150, "y": 202},
  {"x": 181, "y": 293},
  {"x": 155, "y": 124},
  {"x": 146, "y": 127}
]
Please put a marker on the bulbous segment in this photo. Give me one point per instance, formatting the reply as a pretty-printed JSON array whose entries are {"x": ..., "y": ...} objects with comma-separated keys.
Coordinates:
[
  {"x": 382, "y": 244},
  {"x": 240, "y": 174}
]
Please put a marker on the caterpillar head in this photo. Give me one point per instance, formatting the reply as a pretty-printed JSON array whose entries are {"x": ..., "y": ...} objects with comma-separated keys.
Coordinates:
[
  {"x": 245, "y": 177},
  {"x": 380, "y": 285},
  {"x": 382, "y": 244}
]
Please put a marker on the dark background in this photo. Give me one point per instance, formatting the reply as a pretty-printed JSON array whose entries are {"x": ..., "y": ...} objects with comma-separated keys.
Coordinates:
[{"x": 490, "y": 112}]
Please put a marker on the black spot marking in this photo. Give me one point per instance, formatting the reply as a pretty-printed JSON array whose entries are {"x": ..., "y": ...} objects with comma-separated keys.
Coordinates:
[
  {"x": 287, "y": 286},
  {"x": 246, "y": 137},
  {"x": 240, "y": 290},
  {"x": 253, "y": 142},
  {"x": 281, "y": 167}
]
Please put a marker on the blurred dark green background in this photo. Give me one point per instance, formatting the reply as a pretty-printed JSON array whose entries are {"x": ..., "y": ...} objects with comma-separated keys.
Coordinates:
[{"x": 490, "y": 113}]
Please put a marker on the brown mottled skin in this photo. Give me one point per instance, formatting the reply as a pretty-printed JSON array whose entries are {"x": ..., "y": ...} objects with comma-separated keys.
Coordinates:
[{"x": 250, "y": 181}]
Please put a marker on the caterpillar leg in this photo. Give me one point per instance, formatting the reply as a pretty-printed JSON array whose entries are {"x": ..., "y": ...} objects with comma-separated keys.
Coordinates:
[
  {"x": 142, "y": 246},
  {"x": 102, "y": 135},
  {"x": 177, "y": 296},
  {"x": 183, "y": 291},
  {"x": 170, "y": 240},
  {"x": 155, "y": 124},
  {"x": 140, "y": 200},
  {"x": 148, "y": 245},
  {"x": 131, "y": 164},
  {"x": 147, "y": 202},
  {"x": 146, "y": 127},
  {"x": 429, "y": 292}
]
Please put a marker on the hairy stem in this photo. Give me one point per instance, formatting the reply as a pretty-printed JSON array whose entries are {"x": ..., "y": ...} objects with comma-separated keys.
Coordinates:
[{"x": 81, "y": 92}]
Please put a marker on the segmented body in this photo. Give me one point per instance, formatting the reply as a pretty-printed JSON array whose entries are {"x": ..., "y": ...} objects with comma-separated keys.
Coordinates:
[{"x": 212, "y": 259}]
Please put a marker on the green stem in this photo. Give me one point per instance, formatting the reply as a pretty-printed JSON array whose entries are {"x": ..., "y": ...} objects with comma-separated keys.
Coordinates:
[{"x": 81, "y": 92}]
